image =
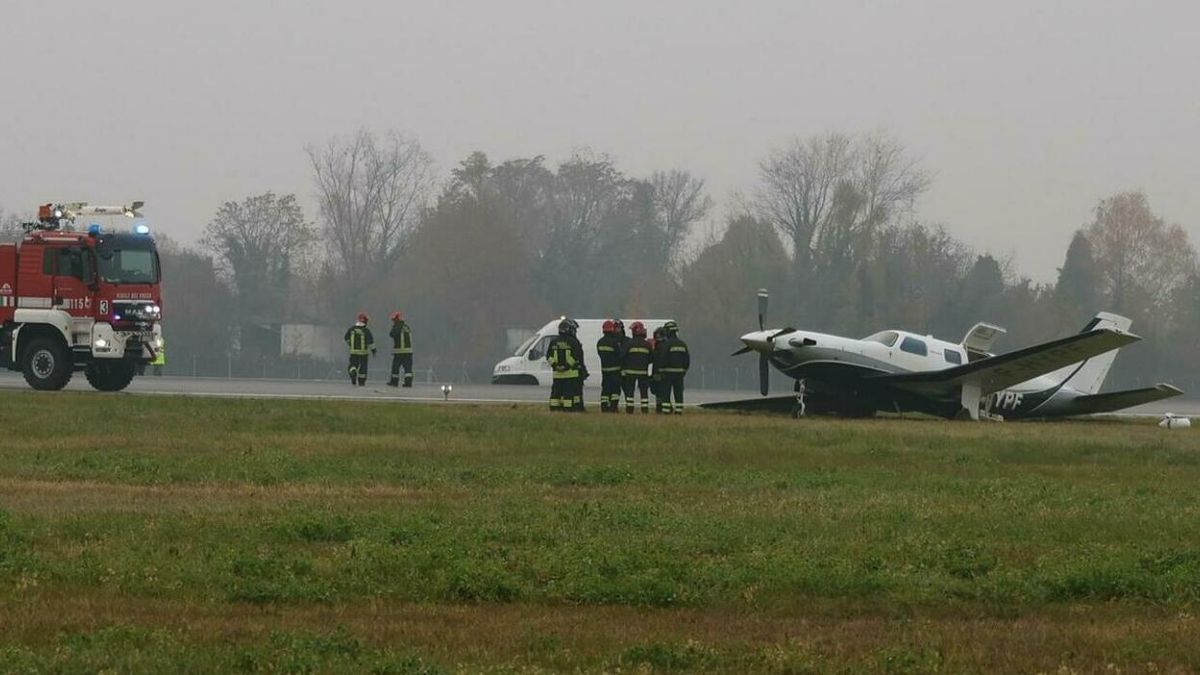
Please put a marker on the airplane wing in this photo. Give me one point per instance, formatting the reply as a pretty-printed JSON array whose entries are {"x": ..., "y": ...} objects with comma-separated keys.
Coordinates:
[
  {"x": 781, "y": 404},
  {"x": 995, "y": 373},
  {"x": 1119, "y": 400}
]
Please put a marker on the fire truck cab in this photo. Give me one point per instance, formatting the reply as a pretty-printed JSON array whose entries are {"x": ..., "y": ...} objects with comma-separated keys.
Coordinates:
[{"x": 80, "y": 301}]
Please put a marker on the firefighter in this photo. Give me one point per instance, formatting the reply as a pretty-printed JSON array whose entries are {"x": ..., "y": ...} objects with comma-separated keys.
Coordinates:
[
  {"x": 658, "y": 362},
  {"x": 620, "y": 325},
  {"x": 609, "y": 349},
  {"x": 676, "y": 361},
  {"x": 160, "y": 358},
  {"x": 624, "y": 339},
  {"x": 565, "y": 356},
  {"x": 402, "y": 354},
  {"x": 635, "y": 368},
  {"x": 360, "y": 340}
]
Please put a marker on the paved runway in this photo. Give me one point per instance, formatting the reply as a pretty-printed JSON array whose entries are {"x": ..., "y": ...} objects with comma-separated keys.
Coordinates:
[
  {"x": 462, "y": 393},
  {"x": 338, "y": 390}
]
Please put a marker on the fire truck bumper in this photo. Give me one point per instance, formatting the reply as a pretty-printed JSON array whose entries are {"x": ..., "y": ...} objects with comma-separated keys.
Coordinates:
[{"x": 140, "y": 346}]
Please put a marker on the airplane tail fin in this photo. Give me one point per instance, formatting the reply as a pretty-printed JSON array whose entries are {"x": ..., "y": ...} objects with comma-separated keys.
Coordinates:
[{"x": 1088, "y": 376}]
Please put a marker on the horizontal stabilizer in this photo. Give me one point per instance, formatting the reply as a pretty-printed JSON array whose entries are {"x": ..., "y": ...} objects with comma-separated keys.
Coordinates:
[
  {"x": 1119, "y": 400},
  {"x": 995, "y": 373}
]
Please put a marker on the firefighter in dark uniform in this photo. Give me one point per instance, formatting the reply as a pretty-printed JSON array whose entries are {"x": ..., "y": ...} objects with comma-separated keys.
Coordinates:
[
  {"x": 620, "y": 325},
  {"x": 635, "y": 368},
  {"x": 565, "y": 356},
  {"x": 609, "y": 349},
  {"x": 677, "y": 360},
  {"x": 624, "y": 339},
  {"x": 402, "y": 353},
  {"x": 658, "y": 361},
  {"x": 361, "y": 341}
]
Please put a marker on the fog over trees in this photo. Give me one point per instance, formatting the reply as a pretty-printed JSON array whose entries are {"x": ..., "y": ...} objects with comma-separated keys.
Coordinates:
[{"x": 832, "y": 227}]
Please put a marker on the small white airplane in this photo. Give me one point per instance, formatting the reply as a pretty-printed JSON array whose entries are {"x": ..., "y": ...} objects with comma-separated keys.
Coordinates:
[{"x": 899, "y": 371}]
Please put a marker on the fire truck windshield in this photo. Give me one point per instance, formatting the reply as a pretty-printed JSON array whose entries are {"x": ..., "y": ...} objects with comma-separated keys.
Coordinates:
[{"x": 127, "y": 262}]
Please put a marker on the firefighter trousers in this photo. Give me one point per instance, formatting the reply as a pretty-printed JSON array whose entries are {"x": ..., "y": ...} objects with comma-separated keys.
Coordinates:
[
  {"x": 358, "y": 369},
  {"x": 673, "y": 388},
  {"x": 566, "y": 394},
  {"x": 610, "y": 391},
  {"x": 405, "y": 362},
  {"x": 641, "y": 382}
]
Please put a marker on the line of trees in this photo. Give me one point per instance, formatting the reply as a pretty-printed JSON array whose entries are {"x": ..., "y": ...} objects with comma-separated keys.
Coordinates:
[{"x": 831, "y": 228}]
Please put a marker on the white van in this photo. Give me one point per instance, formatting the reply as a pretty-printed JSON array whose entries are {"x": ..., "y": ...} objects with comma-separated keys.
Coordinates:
[{"x": 528, "y": 364}]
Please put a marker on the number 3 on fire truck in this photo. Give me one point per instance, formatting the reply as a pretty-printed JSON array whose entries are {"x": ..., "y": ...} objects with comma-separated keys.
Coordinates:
[{"x": 103, "y": 307}]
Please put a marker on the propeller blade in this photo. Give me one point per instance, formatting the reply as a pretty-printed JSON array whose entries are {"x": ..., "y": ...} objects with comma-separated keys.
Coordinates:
[
  {"x": 764, "y": 374},
  {"x": 762, "y": 307},
  {"x": 743, "y": 350},
  {"x": 782, "y": 331}
]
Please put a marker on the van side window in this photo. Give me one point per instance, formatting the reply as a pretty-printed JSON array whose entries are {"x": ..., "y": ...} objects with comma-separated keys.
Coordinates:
[
  {"x": 953, "y": 356},
  {"x": 914, "y": 346},
  {"x": 538, "y": 351}
]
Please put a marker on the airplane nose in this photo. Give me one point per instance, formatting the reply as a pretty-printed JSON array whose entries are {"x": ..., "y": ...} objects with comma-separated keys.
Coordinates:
[{"x": 758, "y": 341}]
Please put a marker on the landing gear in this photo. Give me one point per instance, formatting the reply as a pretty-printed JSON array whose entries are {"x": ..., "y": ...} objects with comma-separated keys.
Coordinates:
[{"x": 798, "y": 408}]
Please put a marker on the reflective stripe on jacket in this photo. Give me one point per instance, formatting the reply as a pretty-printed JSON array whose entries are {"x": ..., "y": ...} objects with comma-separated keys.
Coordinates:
[
  {"x": 561, "y": 356},
  {"x": 637, "y": 358},
  {"x": 401, "y": 338},
  {"x": 360, "y": 340},
  {"x": 609, "y": 348}
]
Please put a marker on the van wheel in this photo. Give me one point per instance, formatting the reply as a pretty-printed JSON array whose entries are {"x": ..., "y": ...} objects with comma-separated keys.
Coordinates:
[
  {"x": 46, "y": 364},
  {"x": 109, "y": 376}
]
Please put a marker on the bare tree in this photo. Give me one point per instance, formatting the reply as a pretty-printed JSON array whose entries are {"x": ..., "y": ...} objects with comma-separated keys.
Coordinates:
[
  {"x": 679, "y": 202},
  {"x": 259, "y": 244},
  {"x": 10, "y": 225},
  {"x": 827, "y": 192},
  {"x": 1139, "y": 256},
  {"x": 798, "y": 183},
  {"x": 371, "y": 193}
]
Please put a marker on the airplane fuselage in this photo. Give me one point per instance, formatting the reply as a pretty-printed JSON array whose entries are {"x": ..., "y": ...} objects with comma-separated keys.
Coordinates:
[{"x": 843, "y": 367}]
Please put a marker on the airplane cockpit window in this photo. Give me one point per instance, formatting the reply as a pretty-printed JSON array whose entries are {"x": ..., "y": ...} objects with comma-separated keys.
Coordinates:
[
  {"x": 887, "y": 338},
  {"x": 953, "y": 356},
  {"x": 914, "y": 346}
]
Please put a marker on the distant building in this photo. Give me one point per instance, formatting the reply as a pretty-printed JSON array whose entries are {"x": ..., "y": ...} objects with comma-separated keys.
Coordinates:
[{"x": 315, "y": 341}]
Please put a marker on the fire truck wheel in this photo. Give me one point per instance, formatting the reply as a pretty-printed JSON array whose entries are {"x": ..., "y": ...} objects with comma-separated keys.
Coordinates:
[
  {"x": 109, "y": 376},
  {"x": 47, "y": 364}
]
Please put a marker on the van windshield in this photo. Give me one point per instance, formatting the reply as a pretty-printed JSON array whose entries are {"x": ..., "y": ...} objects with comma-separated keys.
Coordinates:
[{"x": 525, "y": 345}]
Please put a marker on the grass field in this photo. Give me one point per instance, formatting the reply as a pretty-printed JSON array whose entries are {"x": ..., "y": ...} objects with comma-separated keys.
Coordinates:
[{"x": 162, "y": 534}]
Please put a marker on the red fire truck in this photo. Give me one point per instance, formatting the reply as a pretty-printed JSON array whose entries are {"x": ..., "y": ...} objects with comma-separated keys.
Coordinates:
[{"x": 72, "y": 300}]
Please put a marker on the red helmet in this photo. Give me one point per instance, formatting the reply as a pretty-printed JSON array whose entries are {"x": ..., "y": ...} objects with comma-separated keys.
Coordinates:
[
  {"x": 638, "y": 329},
  {"x": 362, "y": 317},
  {"x": 397, "y": 316},
  {"x": 608, "y": 327}
]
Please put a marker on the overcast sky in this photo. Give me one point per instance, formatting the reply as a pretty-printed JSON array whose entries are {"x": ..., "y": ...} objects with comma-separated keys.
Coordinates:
[{"x": 1027, "y": 113}]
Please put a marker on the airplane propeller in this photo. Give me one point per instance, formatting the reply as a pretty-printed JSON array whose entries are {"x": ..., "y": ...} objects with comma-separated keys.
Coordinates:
[
  {"x": 764, "y": 362},
  {"x": 756, "y": 343}
]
